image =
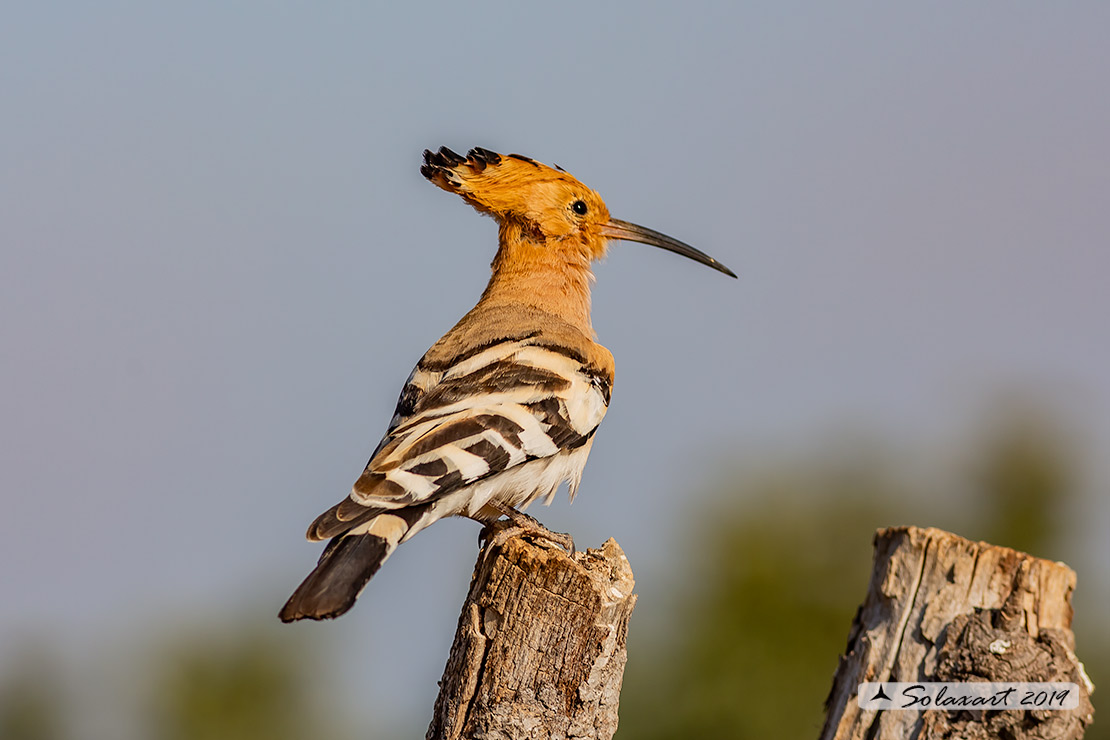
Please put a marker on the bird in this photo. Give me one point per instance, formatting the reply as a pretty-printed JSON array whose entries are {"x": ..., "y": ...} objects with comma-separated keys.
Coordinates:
[{"x": 501, "y": 410}]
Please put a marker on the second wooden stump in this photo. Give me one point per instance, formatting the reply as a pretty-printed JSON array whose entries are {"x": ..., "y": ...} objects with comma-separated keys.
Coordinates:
[{"x": 942, "y": 608}]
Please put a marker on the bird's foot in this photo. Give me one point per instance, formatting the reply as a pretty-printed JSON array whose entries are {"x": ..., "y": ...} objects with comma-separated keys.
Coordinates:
[{"x": 501, "y": 531}]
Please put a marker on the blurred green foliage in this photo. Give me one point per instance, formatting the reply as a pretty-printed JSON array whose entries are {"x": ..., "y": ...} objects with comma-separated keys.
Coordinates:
[
  {"x": 1027, "y": 475},
  {"x": 243, "y": 682},
  {"x": 778, "y": 581},
  {"x": 764, "y": 589},
  {"x": 250, "y": 686},
  {"x": 32, "y": 700}
]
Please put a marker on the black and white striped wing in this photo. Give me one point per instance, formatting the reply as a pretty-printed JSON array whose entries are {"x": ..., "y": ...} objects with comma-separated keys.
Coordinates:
[{"x": 495, "y": 409}]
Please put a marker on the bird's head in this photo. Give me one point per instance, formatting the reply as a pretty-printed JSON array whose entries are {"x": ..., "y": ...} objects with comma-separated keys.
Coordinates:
[{"x": 547, "y": 204}]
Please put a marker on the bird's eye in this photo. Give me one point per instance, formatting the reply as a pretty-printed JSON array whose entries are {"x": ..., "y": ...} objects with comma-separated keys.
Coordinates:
[{"x": 579, "y": 207}]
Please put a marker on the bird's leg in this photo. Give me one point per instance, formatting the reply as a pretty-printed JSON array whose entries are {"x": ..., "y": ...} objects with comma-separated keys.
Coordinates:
[
  {"x": 524, "y": 524},
  {"x": 497, "y": 533}
]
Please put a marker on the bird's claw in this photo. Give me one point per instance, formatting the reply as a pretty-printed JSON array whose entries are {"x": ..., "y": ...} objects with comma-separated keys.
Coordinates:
[{"x": 516, "y": 523}]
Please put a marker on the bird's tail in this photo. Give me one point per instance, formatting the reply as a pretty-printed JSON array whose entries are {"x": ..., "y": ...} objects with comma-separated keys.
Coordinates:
[{"x": 347, "y": 564}]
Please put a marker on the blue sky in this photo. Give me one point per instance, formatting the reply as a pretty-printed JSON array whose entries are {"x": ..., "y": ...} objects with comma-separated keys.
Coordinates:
[{"x": 218, "y": 263}]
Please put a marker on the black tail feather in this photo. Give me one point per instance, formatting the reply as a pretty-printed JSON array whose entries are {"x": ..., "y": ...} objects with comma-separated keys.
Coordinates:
[{"x": 345, "y": 567}]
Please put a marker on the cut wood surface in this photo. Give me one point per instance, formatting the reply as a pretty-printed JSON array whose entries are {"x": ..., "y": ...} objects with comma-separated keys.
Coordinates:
[
  {"x": 540, "y": 646},
  {"x": 942, "y": 608}
]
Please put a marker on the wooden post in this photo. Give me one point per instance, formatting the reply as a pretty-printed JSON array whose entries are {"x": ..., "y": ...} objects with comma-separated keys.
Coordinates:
[
  {"x": 540, "y": 647},
  {"x": 942, "y": 608}
]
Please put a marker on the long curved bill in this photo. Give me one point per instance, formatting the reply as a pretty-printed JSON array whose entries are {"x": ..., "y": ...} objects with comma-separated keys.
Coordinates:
[{"x": 617, "y": 229}]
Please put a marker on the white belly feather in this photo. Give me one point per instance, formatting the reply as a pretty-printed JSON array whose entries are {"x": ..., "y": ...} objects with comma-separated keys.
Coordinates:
[{"x": 517, "y": 487}]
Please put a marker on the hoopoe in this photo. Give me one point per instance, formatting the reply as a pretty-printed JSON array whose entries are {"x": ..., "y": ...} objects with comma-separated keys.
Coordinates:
[{"x": 503, "y": 409}]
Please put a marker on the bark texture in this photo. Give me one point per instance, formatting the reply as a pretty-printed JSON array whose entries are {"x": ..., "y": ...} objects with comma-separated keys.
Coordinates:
[
  {"x": 942, "y": 608},
  {"x": 540, "y": 647}
]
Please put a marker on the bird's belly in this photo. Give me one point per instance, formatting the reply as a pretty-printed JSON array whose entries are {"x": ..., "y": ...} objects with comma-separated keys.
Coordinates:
[{"x": 521, "y": 485}]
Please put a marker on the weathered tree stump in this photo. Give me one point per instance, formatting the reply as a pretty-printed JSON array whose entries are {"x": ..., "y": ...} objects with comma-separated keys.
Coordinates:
[
  {"x": 540, "y": 647},
  {"x": 942, "y": 608}
]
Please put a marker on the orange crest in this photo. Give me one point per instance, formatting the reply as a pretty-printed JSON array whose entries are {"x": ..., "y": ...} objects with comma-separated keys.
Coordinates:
[{"x": 547, "y": 202}]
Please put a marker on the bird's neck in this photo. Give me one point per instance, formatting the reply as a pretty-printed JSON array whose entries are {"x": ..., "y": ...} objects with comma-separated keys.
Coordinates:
[{"x": 530, "y": 272}]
